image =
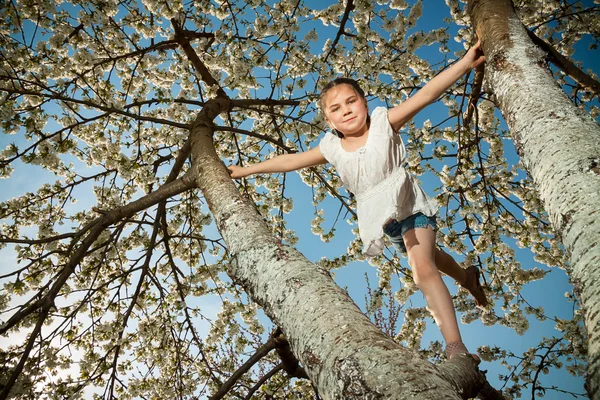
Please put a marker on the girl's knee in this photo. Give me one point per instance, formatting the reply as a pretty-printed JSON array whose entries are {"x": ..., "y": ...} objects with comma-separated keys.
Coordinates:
[{"x": 424, "y": 271}]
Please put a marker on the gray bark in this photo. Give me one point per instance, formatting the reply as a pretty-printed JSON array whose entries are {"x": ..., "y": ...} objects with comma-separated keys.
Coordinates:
[
  {"x": 559, "y": 146},
  {"x": 343, "y": 353}
]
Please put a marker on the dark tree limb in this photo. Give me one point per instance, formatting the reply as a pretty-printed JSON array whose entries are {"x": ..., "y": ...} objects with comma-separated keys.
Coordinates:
[
  {"x": 263, "y": 102},
  {"x": 65, "y": 99},
  {"x": 566, "y": 65},
  {"x": 255, "y": 135},
  {"x": 291, "y": 365},
  {"x": 345, "y": 17},
  {"x": 256, "y": 357},
  {"x": 262, "y": 381},
  {"x": 183, "y": 38},
  {"x": 30, "y": 342},
  {"x": 475, "y": 93},
  {"x": 73, "y": 33}
]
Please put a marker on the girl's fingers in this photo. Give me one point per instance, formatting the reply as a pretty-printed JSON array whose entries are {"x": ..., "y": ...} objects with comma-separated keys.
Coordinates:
[
  {"x": 479, "y": 61},
  {"x": 231, "y": 169}
]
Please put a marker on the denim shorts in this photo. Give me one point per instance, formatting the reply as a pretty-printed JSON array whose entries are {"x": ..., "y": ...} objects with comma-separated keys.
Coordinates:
[{"x": 395, "y": 230}]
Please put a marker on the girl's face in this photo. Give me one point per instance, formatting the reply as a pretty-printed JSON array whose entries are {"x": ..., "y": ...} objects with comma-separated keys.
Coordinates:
[{"x": 345, "y": 110}]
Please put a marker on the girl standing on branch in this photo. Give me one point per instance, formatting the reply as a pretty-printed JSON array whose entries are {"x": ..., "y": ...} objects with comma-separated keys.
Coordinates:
[{"x": 368, "y": 153}]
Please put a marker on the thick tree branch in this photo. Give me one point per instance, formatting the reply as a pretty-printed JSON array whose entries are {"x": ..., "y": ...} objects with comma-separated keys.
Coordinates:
[
  {"x": 183, "y": 38},
  {"x": 558, "y": 145},
  {"x": 37, "y": 241}
]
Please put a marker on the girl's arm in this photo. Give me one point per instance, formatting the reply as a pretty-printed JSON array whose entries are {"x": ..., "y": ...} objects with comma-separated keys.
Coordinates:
[
  {"x": 282, "y": 163},
  {"x": 402, "y": 113}
]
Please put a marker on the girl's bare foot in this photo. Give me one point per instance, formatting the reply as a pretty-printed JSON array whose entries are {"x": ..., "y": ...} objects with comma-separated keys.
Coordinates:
[{"x": 473, "y": 285}]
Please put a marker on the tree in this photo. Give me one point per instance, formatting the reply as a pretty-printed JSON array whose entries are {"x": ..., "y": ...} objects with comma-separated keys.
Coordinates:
[
  {"x": 559, "y": 146},
  {"x": 140, "y": 103}
]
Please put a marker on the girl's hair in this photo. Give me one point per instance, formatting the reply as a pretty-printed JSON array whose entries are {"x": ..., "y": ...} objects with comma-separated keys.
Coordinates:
[{"x": 342, "y": 81}]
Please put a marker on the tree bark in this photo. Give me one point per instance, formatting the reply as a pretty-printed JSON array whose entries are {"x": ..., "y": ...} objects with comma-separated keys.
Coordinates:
[
  {"x": 559, "y": 146},
  {"x": 343, "y": 353}
]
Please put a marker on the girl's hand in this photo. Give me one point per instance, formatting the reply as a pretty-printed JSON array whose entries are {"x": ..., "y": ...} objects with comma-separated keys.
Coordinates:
[
  {"x": 475, "y": 55},
  {"x": 236, "y": 172}
]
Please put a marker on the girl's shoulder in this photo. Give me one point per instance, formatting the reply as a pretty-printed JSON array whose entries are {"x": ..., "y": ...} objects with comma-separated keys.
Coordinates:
[
  {"x": 379, "y": 112},
  {"x": 328, "y": 139},
  {"x": 380, "y": 124},
  {"x": 329, "y": 146}
]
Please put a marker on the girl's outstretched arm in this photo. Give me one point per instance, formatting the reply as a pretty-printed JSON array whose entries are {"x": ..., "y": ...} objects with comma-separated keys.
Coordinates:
[
  {"x": 282, "y": 163},
  {"x": 402, "y": 113}
]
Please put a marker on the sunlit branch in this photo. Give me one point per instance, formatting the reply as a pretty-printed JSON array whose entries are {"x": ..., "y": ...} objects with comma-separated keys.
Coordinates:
[
  {"x": 36, "y": 241},
  {"x": 246, "y": 103},
  {"x": 139, "y": 103}
]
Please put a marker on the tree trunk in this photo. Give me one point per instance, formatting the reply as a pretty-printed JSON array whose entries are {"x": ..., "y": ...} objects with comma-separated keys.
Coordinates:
[
  {"x": 559, "y": 146},
  {"x": 344, "y": 354}
]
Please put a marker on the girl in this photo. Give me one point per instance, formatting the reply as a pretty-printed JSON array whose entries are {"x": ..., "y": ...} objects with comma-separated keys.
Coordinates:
[{"x": 368, "y": 154}]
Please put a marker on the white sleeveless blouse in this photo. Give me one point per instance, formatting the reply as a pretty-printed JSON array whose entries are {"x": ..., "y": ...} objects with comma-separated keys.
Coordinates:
[{"x": 375, "y": 174}]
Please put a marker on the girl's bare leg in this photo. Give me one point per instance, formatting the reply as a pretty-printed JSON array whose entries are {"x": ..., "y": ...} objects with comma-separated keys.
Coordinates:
[
  {"x": 446, "y": 263},
  {"x": 468, "y": 278},
  {"x": 420, "y": 245}
]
